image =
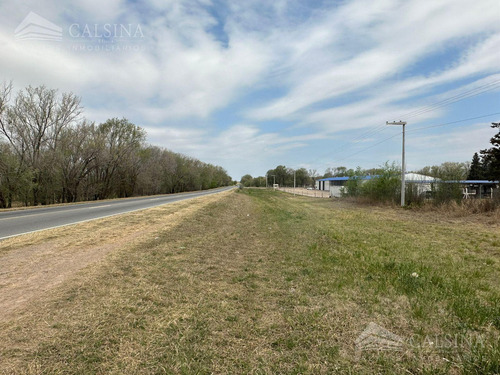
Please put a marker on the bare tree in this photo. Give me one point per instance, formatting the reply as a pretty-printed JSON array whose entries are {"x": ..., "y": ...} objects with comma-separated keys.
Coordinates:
[
  {"x": 78, "y": 150},
  {"x": 122, "y": 143},
  {"x": 49, "y": 154},
  {"x": 33, "y": 124}
]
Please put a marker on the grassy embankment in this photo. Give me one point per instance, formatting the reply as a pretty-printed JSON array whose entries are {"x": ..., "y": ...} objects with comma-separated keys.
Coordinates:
[{"x": 264, "y": 282}]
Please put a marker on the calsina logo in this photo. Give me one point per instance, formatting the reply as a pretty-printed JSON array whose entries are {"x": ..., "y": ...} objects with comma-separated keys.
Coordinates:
[
  {"x": 35, "y": 27},
  {"x": 106, "y": 31},
  {"x": 377, "y": 338},
  {"x": 85, "y": 36}
]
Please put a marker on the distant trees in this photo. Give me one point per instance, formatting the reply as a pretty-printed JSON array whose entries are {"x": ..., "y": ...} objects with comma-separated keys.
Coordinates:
[
  {"x": 282, "y": 175},
  {"x": 336, "y": 172},
  {"x": 448, "y": 171},
  {"x": 302, "y": 178},
  {"x": 50, "y": 154},
  {"x": 451, "y": 173},
  {"x": 491, "y": 156},
  {"x": 476, "y": 171},
  {"x": 487, "y": 166},
  {"x": 247, "y": 180}
]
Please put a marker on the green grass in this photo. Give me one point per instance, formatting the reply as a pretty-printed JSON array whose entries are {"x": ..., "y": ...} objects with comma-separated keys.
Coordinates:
[{"x": 263, "y": 282}]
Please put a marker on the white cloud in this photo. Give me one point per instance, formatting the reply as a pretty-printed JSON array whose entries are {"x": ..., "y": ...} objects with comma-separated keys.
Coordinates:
[
  {"x": 456, "y": 144},
  {"x": 244, "y": 148},
  {"x": 331, "y": 69},
  {"x": 390, "y": 45},
  {"x": 179, "y": 70}
]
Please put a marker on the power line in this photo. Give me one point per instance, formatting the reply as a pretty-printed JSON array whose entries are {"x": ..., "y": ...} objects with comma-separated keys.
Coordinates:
[
  {"x": 464, "y": 95},
  {"x": 367, "y": 148},
  {"x": 418, "y": 129},
  {"x": 453, "y": 122},
  {"x": 456, "y": 98}
]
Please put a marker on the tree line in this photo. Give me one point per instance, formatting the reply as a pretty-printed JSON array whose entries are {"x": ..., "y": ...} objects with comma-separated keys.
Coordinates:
[
  {"x": 387, "y": 186},
  {"x": 49, "y": 153},
  {"x": 282, "y": 176},
  {"x": 487, "y": 166}
]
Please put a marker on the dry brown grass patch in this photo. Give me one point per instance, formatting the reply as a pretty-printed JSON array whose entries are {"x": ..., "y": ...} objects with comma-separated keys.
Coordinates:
[{"x": 33, "y": 264}]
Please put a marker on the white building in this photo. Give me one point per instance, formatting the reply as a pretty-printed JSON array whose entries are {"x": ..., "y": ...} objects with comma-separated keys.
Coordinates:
[{"x": 335, "y": 184}]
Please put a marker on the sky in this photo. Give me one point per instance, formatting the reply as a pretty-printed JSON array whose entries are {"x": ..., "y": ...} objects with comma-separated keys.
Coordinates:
[{"x": 253, "y": 84}]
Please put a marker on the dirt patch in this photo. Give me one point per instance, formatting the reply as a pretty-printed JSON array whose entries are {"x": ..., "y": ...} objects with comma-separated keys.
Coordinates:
[{"x": 33, "y": 264}]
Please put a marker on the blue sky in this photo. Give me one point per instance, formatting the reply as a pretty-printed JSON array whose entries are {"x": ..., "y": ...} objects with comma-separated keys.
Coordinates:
[{"x": 252, "y": 84}]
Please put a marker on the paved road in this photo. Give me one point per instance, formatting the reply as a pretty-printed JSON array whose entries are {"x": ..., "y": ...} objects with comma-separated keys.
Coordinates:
[{"x": 14, "y": 223}]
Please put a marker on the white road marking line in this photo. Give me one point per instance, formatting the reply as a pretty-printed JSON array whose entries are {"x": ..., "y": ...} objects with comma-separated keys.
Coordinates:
[{"x": 106, "y": 216}]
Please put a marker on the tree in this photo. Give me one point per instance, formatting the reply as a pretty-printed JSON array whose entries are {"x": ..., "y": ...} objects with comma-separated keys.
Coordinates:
[
  {"x": 33, "y": 126},
  {"x": 15, "y": 181},
  {"x": 476, "y": 171},
  {"x": 386, "y": 186},
  {"x": 352, "y": 187},
  {"x": 78, "y": 150},
  {"x": 313, "y": 173},
  {"x": 302, "y": 177},
  {"x": 447, "y": 171},
  {"x": 491, "y": 156},
  {"x": 247, "y": 180},
  {"x": 48, "y": 153},
  {"x": 118, "y": 162},
  {"x": 281, "y": 173},
  {"x": 336, "y": 172}
]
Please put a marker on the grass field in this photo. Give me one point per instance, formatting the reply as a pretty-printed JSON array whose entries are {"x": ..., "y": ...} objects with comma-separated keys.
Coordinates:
[{"x": 263, "y": 282}]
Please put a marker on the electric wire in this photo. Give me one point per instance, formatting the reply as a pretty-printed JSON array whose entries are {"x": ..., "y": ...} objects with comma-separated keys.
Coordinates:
[
  {"x": 416, "y": 130},
  {"x": 448, "y": 101}
]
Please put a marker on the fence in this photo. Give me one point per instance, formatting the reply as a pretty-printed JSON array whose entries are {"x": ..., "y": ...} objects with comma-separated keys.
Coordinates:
[{"x": 306, "y": 192}]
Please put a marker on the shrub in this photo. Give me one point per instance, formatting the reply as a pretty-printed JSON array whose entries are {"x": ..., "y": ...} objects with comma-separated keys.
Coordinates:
[
  {"x": 413, "y": 195},
  {"x": 447, "y": 192},
  {"x": 352, "y": 187},
  {"x": 385, "y": 187}
]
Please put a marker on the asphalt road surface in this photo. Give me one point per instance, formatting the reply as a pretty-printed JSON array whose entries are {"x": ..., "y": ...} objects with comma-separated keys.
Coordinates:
[{"x": 15, "y": 223}]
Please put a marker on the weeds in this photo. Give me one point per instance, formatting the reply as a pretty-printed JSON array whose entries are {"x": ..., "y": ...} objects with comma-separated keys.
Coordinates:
[{"x": 263, "y": 282}]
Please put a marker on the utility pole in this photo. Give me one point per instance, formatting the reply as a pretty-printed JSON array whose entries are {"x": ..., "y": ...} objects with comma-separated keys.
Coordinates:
[
  {"x": 266, "y": 180},
  {"x": 403, "y": 168}
]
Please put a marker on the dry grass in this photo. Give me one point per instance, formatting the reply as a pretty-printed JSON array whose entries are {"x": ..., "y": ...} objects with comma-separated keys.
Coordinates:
[
  {"x": 471, "y": 208},
  {"x": 34, "y": 263},
  {"x": 263, "y": 282},
  {"x": 485, "y": 211}
]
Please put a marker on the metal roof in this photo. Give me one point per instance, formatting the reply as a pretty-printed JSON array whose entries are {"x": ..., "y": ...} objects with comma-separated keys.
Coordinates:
[
  {"x": 334, "y": 179},
  {"x": 476, "y": 182},
  {"x": 409, "y": 180},
  {"x": 346, "y": 178}
]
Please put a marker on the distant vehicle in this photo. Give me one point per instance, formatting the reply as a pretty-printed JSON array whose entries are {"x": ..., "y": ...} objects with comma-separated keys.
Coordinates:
[{"x": 310, "y": 188}]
